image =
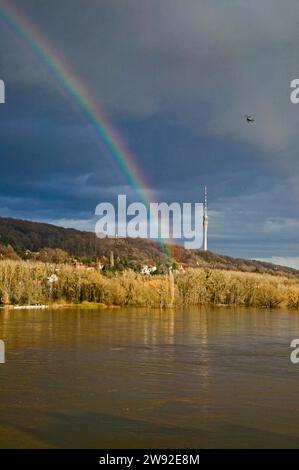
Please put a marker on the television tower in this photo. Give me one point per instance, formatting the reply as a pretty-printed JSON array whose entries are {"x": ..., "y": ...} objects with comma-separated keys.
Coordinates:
[{"x": 205, "y": 221}]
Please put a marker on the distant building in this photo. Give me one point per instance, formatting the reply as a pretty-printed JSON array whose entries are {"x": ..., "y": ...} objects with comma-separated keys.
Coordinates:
[{"x": 148, "y": 270}]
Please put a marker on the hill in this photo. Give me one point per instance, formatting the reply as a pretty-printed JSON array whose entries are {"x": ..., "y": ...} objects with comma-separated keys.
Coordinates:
[{"x": 25, "y": 238}]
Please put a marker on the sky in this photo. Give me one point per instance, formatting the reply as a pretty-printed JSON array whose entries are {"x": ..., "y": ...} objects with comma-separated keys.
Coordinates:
[{"x": 175, "y": 78}]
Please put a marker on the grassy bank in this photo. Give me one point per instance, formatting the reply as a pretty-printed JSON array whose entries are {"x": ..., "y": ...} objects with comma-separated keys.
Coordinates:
[{"x": 31, "y": 283}]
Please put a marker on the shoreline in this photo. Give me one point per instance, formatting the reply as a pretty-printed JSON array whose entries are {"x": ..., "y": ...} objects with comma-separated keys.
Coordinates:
[
  {"x": 101, "y": 306},
  {"x": 59, "y": 305}
]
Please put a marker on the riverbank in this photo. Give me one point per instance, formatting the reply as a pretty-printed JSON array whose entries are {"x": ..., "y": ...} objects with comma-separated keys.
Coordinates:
[
  {"x": 84, "y": 305},
  {"x": 35, "y": 283}
]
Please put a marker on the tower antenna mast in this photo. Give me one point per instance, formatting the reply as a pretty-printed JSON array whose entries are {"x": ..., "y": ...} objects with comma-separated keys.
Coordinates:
[{"x": 205, "y": 221}]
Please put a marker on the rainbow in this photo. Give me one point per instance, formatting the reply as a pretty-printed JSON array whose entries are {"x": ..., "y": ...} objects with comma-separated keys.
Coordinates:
[
  {"x": 79, "y": 95},
  {"x": 82, "y": 98}
]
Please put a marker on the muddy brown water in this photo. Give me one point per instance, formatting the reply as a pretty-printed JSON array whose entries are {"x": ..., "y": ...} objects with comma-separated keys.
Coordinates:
[{"x": 125, "y": 378}]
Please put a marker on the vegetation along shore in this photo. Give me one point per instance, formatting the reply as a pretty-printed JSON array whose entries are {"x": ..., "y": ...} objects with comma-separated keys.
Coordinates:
[{"x": 38, "y": 283}]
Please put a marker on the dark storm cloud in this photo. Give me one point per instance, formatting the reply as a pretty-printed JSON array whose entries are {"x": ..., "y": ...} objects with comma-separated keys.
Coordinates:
[{"x": 176, "y": 79}]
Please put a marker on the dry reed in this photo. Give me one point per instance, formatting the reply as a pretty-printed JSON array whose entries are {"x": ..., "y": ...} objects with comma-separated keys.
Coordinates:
[{"x": 33, "y": 283}]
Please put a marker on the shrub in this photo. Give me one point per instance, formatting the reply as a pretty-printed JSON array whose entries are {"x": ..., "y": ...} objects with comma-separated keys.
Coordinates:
[
  {"x": 269, "y": 296},
  {"x": 293, "y": 298}
]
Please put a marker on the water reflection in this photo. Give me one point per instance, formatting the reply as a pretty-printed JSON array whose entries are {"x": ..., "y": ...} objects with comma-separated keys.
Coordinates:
[{"x": 137, "y": 377}]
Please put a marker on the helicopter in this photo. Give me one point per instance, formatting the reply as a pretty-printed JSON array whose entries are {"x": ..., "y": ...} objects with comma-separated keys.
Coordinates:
[{"x": 249, "y": 118}]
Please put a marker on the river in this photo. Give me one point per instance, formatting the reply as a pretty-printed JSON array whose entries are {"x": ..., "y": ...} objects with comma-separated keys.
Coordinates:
[{"x": 125, "y": 378}]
